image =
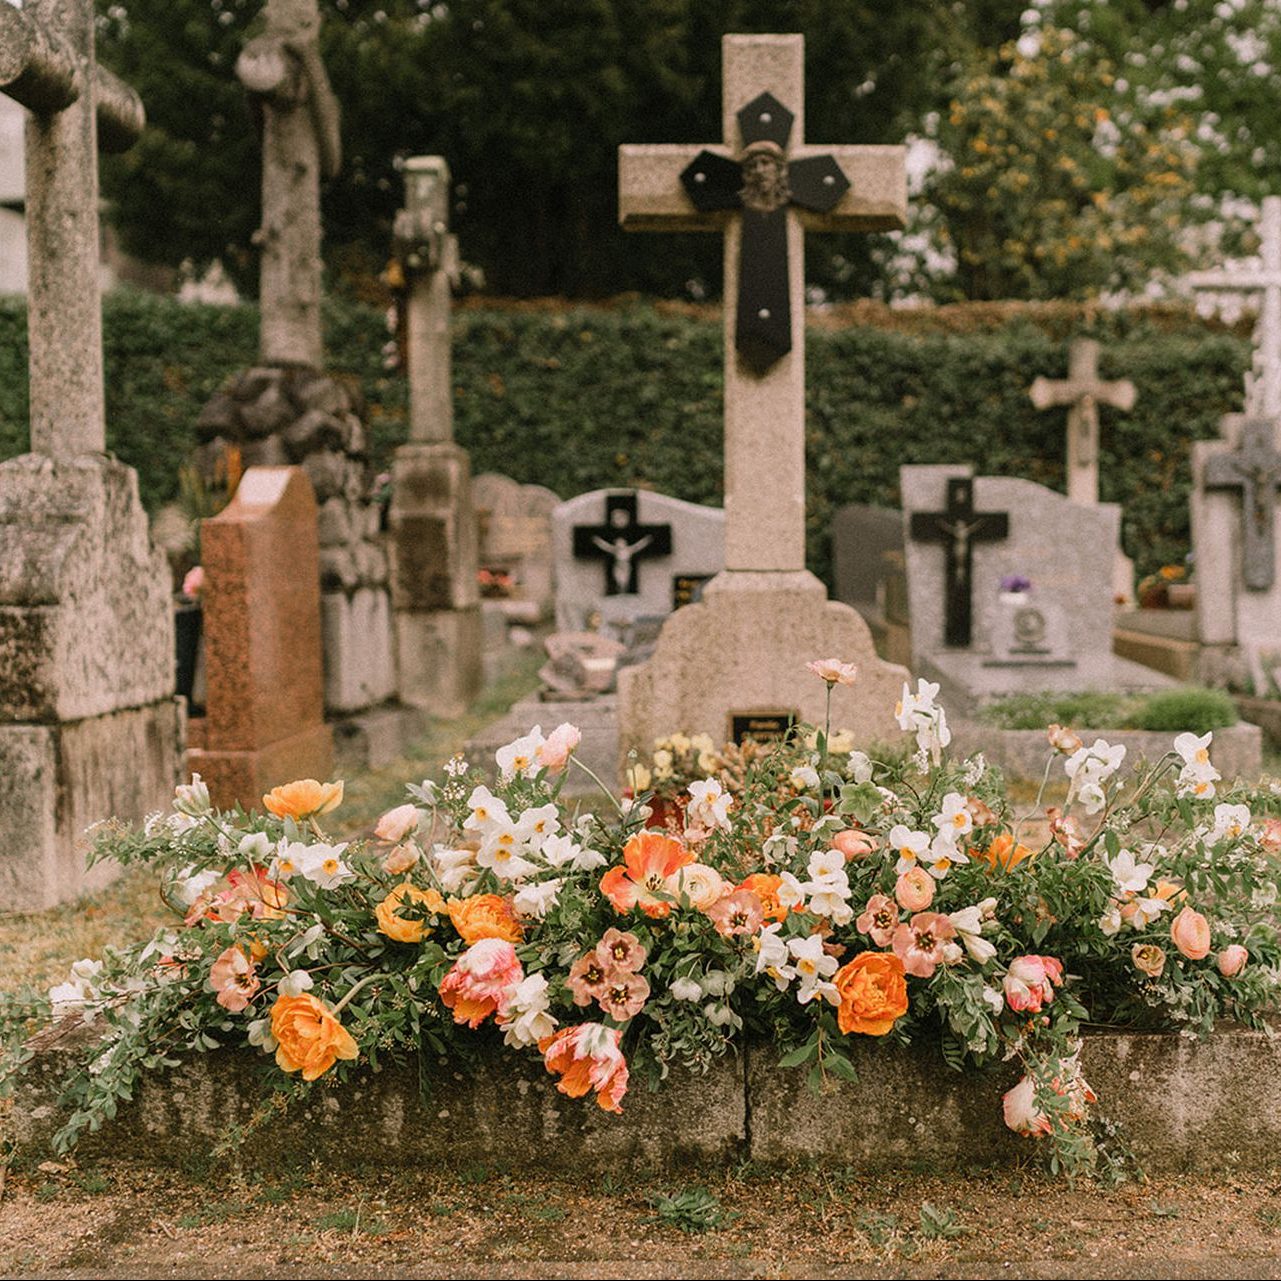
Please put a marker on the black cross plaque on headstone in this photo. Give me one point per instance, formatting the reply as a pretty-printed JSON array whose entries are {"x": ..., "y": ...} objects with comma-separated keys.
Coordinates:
[
  {"x": 958, "y": 527},
  {"x": 620, "y": 542},
  {"x": 1255, "y": 469}
]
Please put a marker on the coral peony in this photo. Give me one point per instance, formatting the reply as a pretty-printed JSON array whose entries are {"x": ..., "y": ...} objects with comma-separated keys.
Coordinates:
[
  {"x": 649, "y": 858},
  {"x": 1191, "y": 934},
  {"x": 407, "y": 929},
  {"x": 873, "y": 993},
  {"x": 304, "y": 798},
  {"x": 587, "y": 1058},
  {"x": 309, "y": 1037},
  {"x": 484, "y": 916}
]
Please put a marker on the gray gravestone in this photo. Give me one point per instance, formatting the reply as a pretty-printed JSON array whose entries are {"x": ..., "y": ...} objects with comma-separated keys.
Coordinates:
[
  {"x": 1056, "y": 634},
  {"x": 620, "y": 571},
  {"x": 861, "y": 535},
  {"x": 516, "y": 540}
]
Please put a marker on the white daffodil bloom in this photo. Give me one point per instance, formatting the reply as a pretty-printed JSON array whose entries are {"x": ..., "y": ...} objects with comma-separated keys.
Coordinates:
[
  {"x": 503, "y": 853},
  {"x": 791, "y": 893},
  {"x": 945, "y": 851},
  {"x": 773, "y": 957},
  {"x": 1229, "y": 821},
  {"x": 954, "y": 817},
  {"x": 1131, "y": 877},
  {"x": 520, "y": 756},
  {"x": 814, "y": 968},
  {"x": 323, "y": 865},
  {"x": 289, "y": 860},
  {"x": 826, "y": 863},
  {"x": 534, "y": 826},
  {"x": 485, "y": 811},
  {"x": 537, "y": 900},
  {"x": 909, "y": 845}
]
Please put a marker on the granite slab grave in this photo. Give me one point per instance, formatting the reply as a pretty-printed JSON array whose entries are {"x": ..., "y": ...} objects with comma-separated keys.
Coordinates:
[
  {"x": 516, "y": 541},
  {"x": 265, "y": 706},
  {"x": 1011, "y": 591},
  {"x": 628, "y": 554}
]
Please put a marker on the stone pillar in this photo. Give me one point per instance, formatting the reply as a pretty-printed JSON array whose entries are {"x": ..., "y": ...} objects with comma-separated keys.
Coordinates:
[
  {"x": 434, "y": 548},
  {"x": 265, "y": 710}
]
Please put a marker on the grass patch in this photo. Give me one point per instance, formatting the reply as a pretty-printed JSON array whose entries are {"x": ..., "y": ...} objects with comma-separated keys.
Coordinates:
[{"x": 1173, "y": 711}]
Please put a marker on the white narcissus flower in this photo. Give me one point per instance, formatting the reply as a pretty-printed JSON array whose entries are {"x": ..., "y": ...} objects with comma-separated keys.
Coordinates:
[
  {"x": 773, "y": 957},
  {"x": 323, "y": 865},
  {"x": 535, "y": 901},
  {"x": 826, "y": 863},
  {"x": 908, "y": 844},
  {"x": 944, "y": 852},
  {"x": 525, "y": 1019},
  {"x": 814, "y": 968},
  {"x": 791, "y": 893},
  {"x": 534, "y": 826},
  {"x": 289, "y": 860},
  {"x": 686, "y": 989},
  {"x": 520, "y": 756},
  {"x": 1130, "y": 877},
  {"x": 502, "y": 853},
  {"x": 1229, "y": 821},
  {"x": 954, "y": 817},
  {"x": 709, "y": 805},
  {"x": 485, "y": 811}
]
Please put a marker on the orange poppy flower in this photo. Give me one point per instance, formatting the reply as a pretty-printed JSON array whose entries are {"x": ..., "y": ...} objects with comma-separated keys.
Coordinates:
[
  {"x": 649, "y": 858},
  {"x": 1003, "y": 853},
  {"x": 766, "y": 886},
  {"x": 303, "y": 798}
]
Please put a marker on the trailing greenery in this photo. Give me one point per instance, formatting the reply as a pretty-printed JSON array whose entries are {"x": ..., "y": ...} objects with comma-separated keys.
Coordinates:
[
  {"x": 1177, "y": 711},
  {"x": 631, "y": 395}
]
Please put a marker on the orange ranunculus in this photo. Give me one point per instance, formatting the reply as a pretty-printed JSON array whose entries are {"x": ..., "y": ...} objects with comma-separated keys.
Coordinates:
[
  {"x": 402, "y": 929},
  {"x": 1003, "y": 853},
  {"x": 1191, "y": 934},
  {"x": 649, "y": 858},
  {"x": 873, "y": 990},
  {"x": 304, "y": 798},
  {"x": 309, "y": 1036},
  {"x": 484, "y": 916},
  {"x": 766, "y": 886}
]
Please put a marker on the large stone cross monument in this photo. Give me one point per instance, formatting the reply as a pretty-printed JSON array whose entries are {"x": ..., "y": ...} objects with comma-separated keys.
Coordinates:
[
  {"x": 88, "y": 723},
  {"x": 435, "y": 557},
  {"x": 742, "y": 650}
]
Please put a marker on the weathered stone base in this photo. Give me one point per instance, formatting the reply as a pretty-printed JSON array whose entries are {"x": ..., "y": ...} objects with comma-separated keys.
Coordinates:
[
  {"x": 1022, "y": 753},
  {"x": 1183, "y": 1105},
  {"x": 360, "y": 661},
  {"x": 441, "y": 658},
  {"x": 243, "y": 777},
  {"x": 373, "y": 739},
  {"x": 742, "y": 650},
  {"x": 55, "y": 780}
]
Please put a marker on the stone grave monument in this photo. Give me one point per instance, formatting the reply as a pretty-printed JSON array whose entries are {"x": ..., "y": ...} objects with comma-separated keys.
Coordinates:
[
  {"x": 623, "y": 555},
  {"x": 287, "y": 409},
  {"x": 89, "y": 726},
  {"x": 740, "y": 652},
  {"x": 1010, "y": 587},
  {"x": 435, "y": 567},
  {"x": 868, "y": 573},
  {"x": 515, "y": 534},
  {"x": 264, "y": 721}
]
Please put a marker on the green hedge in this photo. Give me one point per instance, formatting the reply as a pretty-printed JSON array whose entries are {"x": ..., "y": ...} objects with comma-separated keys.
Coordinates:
[{"x": 580, "y": 398}]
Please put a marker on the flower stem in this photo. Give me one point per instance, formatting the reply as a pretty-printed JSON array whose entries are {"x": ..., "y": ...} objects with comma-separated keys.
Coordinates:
[
  {"x": 613, "y": 800},
  {"x": 338, "y": 1009}
]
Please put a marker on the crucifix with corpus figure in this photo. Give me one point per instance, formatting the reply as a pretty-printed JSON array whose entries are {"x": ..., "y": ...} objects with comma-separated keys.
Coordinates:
[{"x": 763, "y": 187}]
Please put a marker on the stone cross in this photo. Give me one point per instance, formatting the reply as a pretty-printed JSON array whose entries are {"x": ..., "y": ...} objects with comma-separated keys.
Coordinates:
[
  {"x": 285, "y": 78},
  {"x": 1263, "y": 384},
  {"x": 47, "y": 64},
  {"x": 1083, "y": 391},
  {"x": 763, "y": 76},
  {"x": 958, "y": 527},
  {"x": 1254, "y": 469},
  {"x": 428, "y": 255},
  {"x": 621, "y": 542}
]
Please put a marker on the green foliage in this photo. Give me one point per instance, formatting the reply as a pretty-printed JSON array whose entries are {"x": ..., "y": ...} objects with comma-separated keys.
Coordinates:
[
  {"x": 1176, "y": 711},
  {"x": 690, "y": 1210},
  {"x": 631, "y": 395}
]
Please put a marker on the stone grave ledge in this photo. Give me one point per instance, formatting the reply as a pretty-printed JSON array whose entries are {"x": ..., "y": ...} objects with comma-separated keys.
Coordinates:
[
  {"x": 1184, "y": 1105},
  {"x": 1237, "y": 751}
]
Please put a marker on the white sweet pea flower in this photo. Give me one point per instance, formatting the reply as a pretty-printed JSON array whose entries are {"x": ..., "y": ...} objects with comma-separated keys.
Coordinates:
[
  {"x": 1110, "y": 921},
  {"x": 535, "y": 901},
  {"x": 918, "y": 713},
  {"x": 1146, "y": 911},
  {"x": 814, "y": 968},
  {"x": 520, "y": 757},
  {"x": 1130, "y": 877},
  {"x": 323, "y": 865},
  {"x": 191, "y": 884},
  {"x": 454, "y": 869}
]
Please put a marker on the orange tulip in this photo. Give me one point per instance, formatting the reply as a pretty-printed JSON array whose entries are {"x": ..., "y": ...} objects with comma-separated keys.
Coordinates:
[
  {"x": 1003, "y": 853},
  {"x": 649, "y": 858}
]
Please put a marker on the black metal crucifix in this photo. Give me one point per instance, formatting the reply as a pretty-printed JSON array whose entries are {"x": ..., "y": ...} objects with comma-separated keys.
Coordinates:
[
  {"x": 958, "y": 527},
  {"x": 1254, "y": 469},
  {"x": 762, "y": 183},
  {"x": 620, "y": 542}
]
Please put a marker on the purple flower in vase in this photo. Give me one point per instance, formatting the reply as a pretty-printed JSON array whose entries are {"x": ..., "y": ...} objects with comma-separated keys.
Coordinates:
[{"x": 1016, "y": 583}]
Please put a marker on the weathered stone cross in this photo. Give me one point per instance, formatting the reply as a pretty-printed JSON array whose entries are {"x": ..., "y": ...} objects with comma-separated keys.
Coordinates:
[
  {"x": 1263, "y": 385},
  {"x": 282, "y": 71},
  {"x": 764, "y": 187},
  {"x": 1083, "y": 391},
  {"x": 1254, "y": 469},
  {"x": 47, "y": 64}
]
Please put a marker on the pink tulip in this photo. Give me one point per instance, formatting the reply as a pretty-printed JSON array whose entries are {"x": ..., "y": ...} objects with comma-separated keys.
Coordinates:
[
  {"x": 554, "y": 752},
  {"x": 232, "y": 977},
  {"x": 396, "y": 824},
  {"x": 1030, "y": 982},
  {"x": 879, "y": 920},
  {"x": 921, "y": 944}
]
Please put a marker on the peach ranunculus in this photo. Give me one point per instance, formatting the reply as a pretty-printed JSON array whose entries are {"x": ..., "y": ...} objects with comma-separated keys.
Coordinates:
[
  {"x": 738, "y": 913},
  {"x": 399, "y": 859},
  {"x": 404, "y": 929},
  {"x": 873, "y": 993},
  {"x": 480, "y": 981},
  {"x": 232, "y": 976},
  {"x": 914, "y": 890},
  {"x": 1148, "y": 959},
  {"x": 309, "y": 1037},
  {"x": 1003, "y": 853},
  {"x": 855, "y": 844},
  {"x": 1270, "y": 836},
  {"x": 649, "y": 858},
  {"x": 699, "y": 884},
  {"x": 484, "y": 916},
  {"x": 1231, "y": 961},
  {"x": 766, "y": 885},
  {"x": 397, "y": 824},
  {"x": 587, "y": 1057},
  {"x": 554, "y": 752},
  {"x": 1030, "y": 982},
  {"x": 920, "y": 943},
  {"x": 1191, "y": 934},
  {"x": 833, "y": 671},
  {"x": 304, "y": 798},
  {"x": 879, "y": 920}
]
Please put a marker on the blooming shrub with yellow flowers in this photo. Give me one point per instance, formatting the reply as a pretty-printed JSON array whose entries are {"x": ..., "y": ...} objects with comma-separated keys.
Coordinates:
[{"x": 831, "y": 903}]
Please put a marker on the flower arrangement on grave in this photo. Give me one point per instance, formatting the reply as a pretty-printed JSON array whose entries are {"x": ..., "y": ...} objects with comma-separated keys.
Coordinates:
[
  {"x": 496, "y": 584},
  {"x": 1169, "y": 588},
  {"x": 879, "y": 899},
  {"x": 1015, "y": 588}
]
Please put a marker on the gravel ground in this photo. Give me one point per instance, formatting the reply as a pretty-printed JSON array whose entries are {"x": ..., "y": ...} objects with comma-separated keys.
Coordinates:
[{"x": 124, "y": 1219}]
